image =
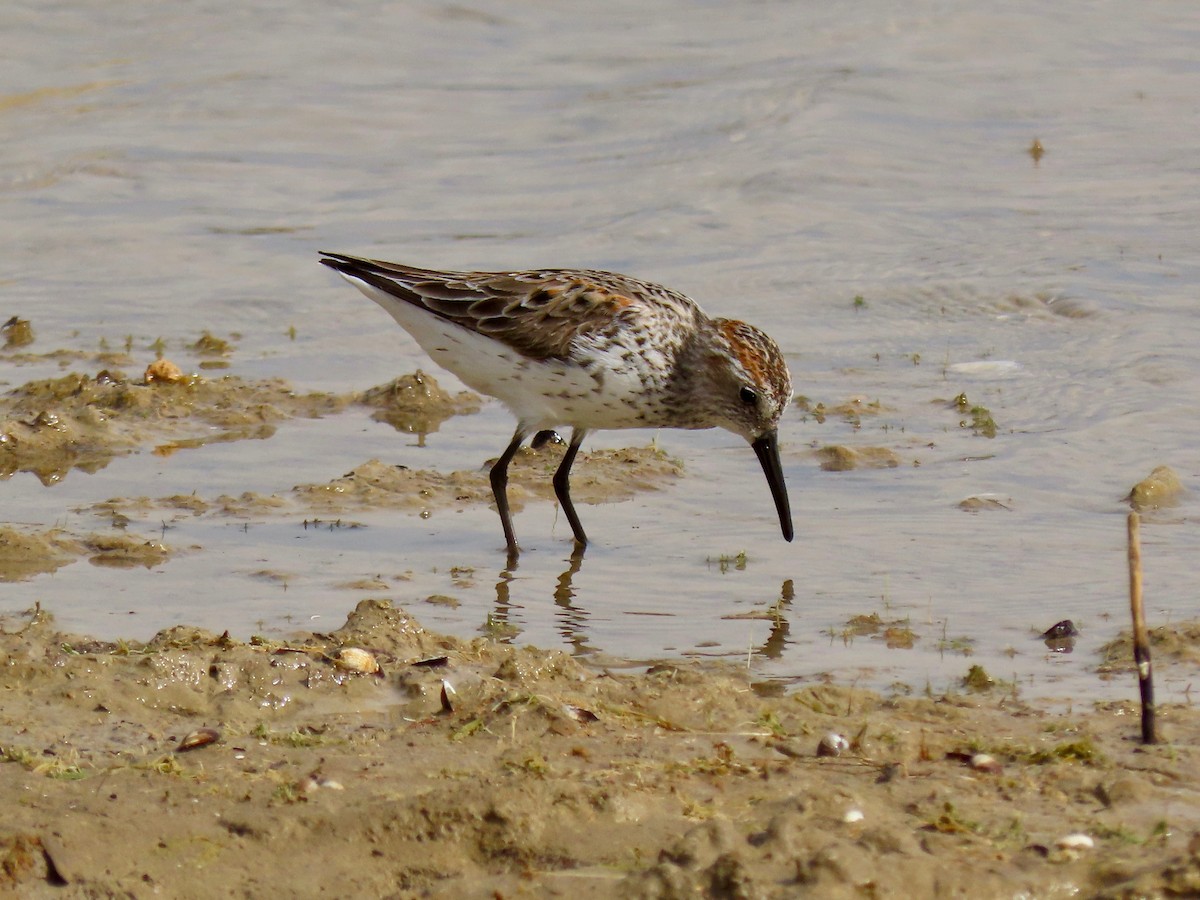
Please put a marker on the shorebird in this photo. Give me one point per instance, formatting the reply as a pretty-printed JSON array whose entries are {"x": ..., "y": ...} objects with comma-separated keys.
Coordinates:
[{"x": 588, "y": 349}]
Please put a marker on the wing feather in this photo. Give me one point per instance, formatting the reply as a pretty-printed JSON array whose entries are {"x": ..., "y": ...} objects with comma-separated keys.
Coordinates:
[{"x": 542, "y": 314}]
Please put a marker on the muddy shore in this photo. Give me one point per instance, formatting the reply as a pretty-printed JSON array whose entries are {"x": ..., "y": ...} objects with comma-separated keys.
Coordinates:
[
  {"x": 385, "y": 760},
  {"x": 382, "y": 759}
]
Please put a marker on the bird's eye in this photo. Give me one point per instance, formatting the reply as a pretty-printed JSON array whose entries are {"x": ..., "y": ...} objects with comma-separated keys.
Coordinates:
[{"x": 748, "y": 396}]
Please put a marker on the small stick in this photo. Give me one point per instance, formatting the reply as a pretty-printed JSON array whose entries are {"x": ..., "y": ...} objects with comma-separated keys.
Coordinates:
[{"x": 1141, "y": 640}]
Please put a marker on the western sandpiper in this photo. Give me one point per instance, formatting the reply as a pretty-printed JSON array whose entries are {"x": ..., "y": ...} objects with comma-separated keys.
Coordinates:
[{"x": 591, "y": 350}]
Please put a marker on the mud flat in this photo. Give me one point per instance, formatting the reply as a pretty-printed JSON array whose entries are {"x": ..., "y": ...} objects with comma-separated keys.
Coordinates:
[{"x": 383, "y": 759}]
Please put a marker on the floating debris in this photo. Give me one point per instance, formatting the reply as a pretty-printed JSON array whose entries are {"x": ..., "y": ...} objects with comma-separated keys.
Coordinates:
[
  {"x": 836, "y": 458},
  {"x": 120, "y": 550},
  {"x": 979, "y": 504},
  {"x": 1064, "y": 629},
  {"x": 978, "y": 679},
  {"x": 201, "y": 737},
  {"x": 208, "y": 345},
  {"x": 1161, "y": 487},
  {"x": 1060, "y": 637},
  {"x": 416, "y": 404},
  {"x": 17, "y": 333}
]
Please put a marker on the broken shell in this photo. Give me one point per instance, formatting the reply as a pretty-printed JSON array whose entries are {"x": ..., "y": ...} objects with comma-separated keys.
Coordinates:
[
  {"x": 163, "y": 370},
  {"x": 201, "y": 737},
  {"x": 985, "y": 762},
  {"x": 579, "y": 714},
  {"x": 1077, "y": 841},
  {"x": 853, "y": 815},
  {"x": 355, "y": 659},
  {"x": 833, "y": 744},
  {"x": 448, "y": 693},
  {"x": 433, "y": 662},
  {"x": 316, "y": 781}
]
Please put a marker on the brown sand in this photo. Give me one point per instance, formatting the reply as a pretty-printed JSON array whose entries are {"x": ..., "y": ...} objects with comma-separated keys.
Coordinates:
[{"x": 470, "y": 768}]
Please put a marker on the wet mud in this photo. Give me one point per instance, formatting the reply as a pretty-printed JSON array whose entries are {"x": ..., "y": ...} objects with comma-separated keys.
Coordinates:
[
  {"x": 596, "y": 478},
  {"x": 385, "y": 759},
  {"x": 52, "y": 426}
]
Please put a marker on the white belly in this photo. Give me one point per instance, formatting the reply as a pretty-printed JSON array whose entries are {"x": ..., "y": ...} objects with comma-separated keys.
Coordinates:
[{"x": 540, "y": 393}]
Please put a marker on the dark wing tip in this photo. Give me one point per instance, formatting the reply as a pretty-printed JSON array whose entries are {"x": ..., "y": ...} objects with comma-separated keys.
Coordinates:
[
  {"x": 339, "y": 261},
  {"x": 354, "y": 266}
]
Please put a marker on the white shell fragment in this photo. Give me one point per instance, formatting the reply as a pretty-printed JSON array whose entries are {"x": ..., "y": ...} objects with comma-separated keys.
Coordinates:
[
  {"x": 355, "y": 659},
  {"x": 448, "y": 694},
  {"x": 985, "y": 762},
  {"x": 316, "y": 781},
  {"x": 853, "y": 815},
  {"x": 1077, "y": 841},
  {"x": 833, "y": 744}
]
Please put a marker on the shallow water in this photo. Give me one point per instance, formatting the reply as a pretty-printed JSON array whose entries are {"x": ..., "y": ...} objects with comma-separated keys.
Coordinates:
[{"x": 177, "y": 170}]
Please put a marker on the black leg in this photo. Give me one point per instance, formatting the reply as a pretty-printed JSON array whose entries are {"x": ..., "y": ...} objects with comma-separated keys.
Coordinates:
[
  {"x": 562, "y": 485},
  {"x": 499, "y": 478}
]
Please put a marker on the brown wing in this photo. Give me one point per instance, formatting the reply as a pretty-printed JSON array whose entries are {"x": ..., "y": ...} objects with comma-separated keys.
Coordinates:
[{"x": 538, "y": 313}]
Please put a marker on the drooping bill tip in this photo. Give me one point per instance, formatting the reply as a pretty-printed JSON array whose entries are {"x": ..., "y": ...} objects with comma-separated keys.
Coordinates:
[{"x": 766, "y": 448}]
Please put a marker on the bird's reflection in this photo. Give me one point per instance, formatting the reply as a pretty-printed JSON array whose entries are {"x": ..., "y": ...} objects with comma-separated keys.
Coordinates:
[
  {"x": 500, "y": 619},
  {"x": 573, "y": 618},
  {"x": 777, "y": 640}
]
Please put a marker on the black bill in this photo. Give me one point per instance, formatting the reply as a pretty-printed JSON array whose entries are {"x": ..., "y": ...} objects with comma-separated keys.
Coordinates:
[{"x": 766, "y": 448}]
